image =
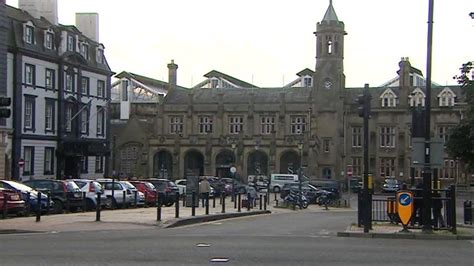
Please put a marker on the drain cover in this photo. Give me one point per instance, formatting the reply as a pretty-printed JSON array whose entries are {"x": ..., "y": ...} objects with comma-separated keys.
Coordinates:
[{"x": 219, "y": 260}]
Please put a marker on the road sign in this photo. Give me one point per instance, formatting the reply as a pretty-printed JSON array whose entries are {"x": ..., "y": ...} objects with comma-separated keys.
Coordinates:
[
  {"x": 405, "y": 206},
  {"x": 233, "y": 169},
  {"x": 21, "y": 163},
  {"x": 349, "y": 170}
]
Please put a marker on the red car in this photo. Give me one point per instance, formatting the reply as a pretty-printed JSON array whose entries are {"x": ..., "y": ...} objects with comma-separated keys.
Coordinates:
[
  {"x": 15, "y": 205},
  {"x": 148, "y": 189}
]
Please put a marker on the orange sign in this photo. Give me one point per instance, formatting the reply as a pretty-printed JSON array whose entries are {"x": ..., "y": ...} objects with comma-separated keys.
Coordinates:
[{"x": 405, "y": 206}]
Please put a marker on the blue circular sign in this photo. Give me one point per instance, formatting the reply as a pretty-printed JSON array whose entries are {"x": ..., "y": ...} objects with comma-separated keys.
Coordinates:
[{"x": 404, "y": 199}]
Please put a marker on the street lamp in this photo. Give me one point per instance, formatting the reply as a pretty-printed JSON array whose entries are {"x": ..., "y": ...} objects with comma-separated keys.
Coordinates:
[
  {"x": 233, "y": 169},
  {"x": 300, "y": 172}
]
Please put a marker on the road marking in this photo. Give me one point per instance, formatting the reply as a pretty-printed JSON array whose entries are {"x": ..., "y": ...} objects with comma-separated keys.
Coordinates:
[
  {"x": 472, "y": 242},
  {"x": 203, "y": 245},
  {"x": 219, "y": 260}
]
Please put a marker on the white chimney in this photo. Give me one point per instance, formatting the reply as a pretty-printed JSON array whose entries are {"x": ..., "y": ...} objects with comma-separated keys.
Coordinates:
[
  {"x": 88, "y": 24},
  {"x": 41, "y": 8}
]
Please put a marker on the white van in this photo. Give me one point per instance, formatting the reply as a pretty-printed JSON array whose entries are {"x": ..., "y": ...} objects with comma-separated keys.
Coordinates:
[{"x": 277, "y": 181}]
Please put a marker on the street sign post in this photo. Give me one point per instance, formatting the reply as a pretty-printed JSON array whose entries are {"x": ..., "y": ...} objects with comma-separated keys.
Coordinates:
[
  {"x": 405, "y": 207},
  {"x": 21, "y": 163}
]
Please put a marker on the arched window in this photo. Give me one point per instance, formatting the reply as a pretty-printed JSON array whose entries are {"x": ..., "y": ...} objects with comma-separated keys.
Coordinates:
[
  {"x": 388, "y": 98},
  {"x": 417, "y": 98},
  {"x": 446, "y": 97}
]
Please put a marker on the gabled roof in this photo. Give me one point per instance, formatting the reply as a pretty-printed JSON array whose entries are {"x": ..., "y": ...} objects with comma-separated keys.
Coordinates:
[
  {"x": 330, "y": 14},
  {"x": 145, "y": 80},
  {"x": 216, "y": 74},
  {"x": 305, "y": 72}
]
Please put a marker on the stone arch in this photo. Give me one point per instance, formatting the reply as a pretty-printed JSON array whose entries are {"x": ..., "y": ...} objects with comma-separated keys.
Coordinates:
[
  {"x": 163, "y": 164},
  {"x": 290, "y": 162},
  {"x": 224, "y": 160},
  {"x": 257, "y": 163},
  {"x": 193, "y": 163}
]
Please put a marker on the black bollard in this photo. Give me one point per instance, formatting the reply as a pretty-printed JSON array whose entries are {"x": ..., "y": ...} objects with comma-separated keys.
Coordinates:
[
  {"x": 249, "y": 202},
  {"x": 124, "y": 201},
  {"x": 207, "y": 204},
  {"x": 146, "y": 199},
  {"x": 176, "y": 205},
  {"x": 239, "y": 203},
  {"x": 158, "y": 211},
  {"x": 28, "y": 203},
  {"x": 38, "y": 208},
  {"x": 265, "y": 202},
  {"x": 48, "y": 203},
  {"x": 260, "y": 202},
  {"x": 4, "y": 212},
  {"x": 467, "y": 212},
  {"x": 223, "y": 203},
  {"x": 214, "y": 202},
  {"x": 184, "y": 200},
  {"x": 193, "y": 204},
  {"x": 84, "y": 202},
  {"x": 97, "y": 208},
  {"x": 135, "y": 196},
  {"x": 68, "y": 204},
  {"x": 235, "y": 201}
]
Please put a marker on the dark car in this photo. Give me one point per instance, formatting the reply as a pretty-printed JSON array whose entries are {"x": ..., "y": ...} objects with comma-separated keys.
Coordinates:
[
  {"x": 11, "y": 202},
  {"x": 328, "y": 185},
  {"x": 28, "y": 194},
  {"x": 168, "y": 192},
  {"x": 63, "y": 193},
  {"x": 311, "y": 192},
  {"x": 355, "y": 184},
  {"x": 390, "y": 185}
]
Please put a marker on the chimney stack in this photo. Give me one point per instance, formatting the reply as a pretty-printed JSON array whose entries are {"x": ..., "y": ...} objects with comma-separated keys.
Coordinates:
[
  {"x": 88, "y": 24},
  {"x": 44, "y": 8},
  {"x": 172, "y": 73}
]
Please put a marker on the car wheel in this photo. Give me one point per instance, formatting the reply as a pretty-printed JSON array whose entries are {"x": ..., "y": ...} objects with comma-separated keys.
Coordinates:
[
  {"x": 58, "y": 206},
  {"x": 276, "y": 189},
  {"x": 304, "y": 204},
  {"x": 110, "y": 203}
]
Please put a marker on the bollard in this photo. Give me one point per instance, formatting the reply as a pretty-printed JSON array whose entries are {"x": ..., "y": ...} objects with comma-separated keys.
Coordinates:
[
  {"x": 260, "y": 202},
  {"x": 124, "y": 201},
  {"x": 135, "y": 195},
  {"x": 28, "y": 203},
  {"x": 48, "y": 203},
  {"x": 146, "y": 199},
  {"x": 249, "y": 202},
  {"x": 158, "y": 211},
  {"x": 214, "y": 202},
  {"x": 207, "y": 203},
  {"x": 4, "y": 212},
  {"x": 97, "y": 208},
  {"x": 239, "y": 203},
  {"x": 467, "y": 212},
  {"x": 275, "y": 194},
  {"x": 68, "y": 204},
  {"x": 265, "y": 202},
  {"x": 176, "y": 204},
  {"x": 235, "y": 201},
  {"x": 38, "y": 208},
  {"x": 84, "y": 202},
  {"x": 223, "y": 203},
  {"x": 184, "y": 200},
  {"x": 193, "y": 204}
]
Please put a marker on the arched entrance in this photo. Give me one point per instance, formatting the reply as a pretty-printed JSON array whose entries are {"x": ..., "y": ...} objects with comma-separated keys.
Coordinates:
[
  {"x": 257, "y": 163},
  {"x": 193, "y": 163},
  {"x": 290, "y": 162},
  {"x": 224, "y": 160},
  {"x": 163, "y": 164}
]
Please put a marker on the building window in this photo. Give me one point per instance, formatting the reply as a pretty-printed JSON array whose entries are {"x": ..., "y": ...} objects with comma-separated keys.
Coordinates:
[
  {"x": 417, "y": 98},
  {"x": 99, "y": 164},
  {"x": 28, "y": 157},
  {"x": 29, "y": 115},
  {"x": 387, "y": 167},
  {"x": 100, "y": 56},
  {"x": 298, "y": 125},
  {"x": 387, "y": 137},
  {"x": 356, "y": 137},
  {"x": 307, "y": 82},
  {"x": 356, "y": 166},
  {"x": 235, "y": 124},
  {"x": 446, "y": 98},
  {"x": 176, "y": 124},
  {"x": 70, "y": 43},
  {"x": 85, "y": 85},
  {"x": 124, "y": 90},
  {"x": 205, "y": 124},
  {"x": 100, "y": 120},
  {"x": 326, "y": 145},
  {"x": 85, "y": 51},
  {"x": 449, "y": 170},
  {"x": 48, "y": 161},
  {"x": 70, "y": 82},
  {"x": 49, "y": 40},
  {"x": 389, "y": 99},
  {"x": 49, "y": 115},
  {"x": 30, "y": 74},
  {"x": 268, "y": 125},
  {"x": 49, "y": 79},
  {"x": 85, "y": 120},
  {"x": 29, "y": 34},
  {"x": 214, "y": 83},
  {"x": 128, "y": 159},
  {"x": 68, "y": 118},
  {"x": 84, "y": 164},
  {"x": 100, "y": 88},
  {"x": 443, "y": 133}
]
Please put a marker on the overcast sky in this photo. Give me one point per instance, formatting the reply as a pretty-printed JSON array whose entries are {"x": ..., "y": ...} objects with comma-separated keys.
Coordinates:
[{"x": 267, "y": 42}]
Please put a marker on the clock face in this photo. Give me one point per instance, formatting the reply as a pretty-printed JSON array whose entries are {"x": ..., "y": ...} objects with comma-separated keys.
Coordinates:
[{"x": 328, "y": 84}]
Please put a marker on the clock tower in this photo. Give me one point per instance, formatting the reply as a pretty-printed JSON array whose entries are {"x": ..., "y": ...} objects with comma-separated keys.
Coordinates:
[{"x": 328, "y": 95}]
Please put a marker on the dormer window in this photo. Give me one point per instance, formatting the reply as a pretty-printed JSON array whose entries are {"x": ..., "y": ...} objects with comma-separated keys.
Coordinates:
[
  {"x": 388, "y": 98},
  {"x": 70, "y": 43},
  {"x": 214, "y": 83},
  {"x": 446, "y": 97},
  {"x": 100, "y": 56},
  {"x": 417, "y": 98},
  {"x": 85, "y": 50},
  {"x": 29, "y": 34},
  {"x": 307, "y": 82},
  {"x": 49, "y": 40}
]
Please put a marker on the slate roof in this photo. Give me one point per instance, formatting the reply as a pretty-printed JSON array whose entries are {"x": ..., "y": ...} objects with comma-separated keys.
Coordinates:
[
  {"x": 145, "y": 80},
  {"x": 217, "y": 74},
  {"x": 330, "y": 14}
]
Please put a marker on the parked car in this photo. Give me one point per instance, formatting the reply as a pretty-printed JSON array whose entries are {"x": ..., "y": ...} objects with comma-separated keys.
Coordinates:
[
  {"x": 390, "y": 185},
  {"x": 63, "y": 193},
  {"x": 181, "y": 184},
  {"x": 328, "y": 185},
  {"x": 355, "y": 184},
  {"x": 91, "y": 188},
  {"x": 168, "y": 192},
  {"x": 28, "y": 194},
  {"x": 311, "y": 192},
  {"x": 148, "y": 189},
  {"x": 120, "y": 193},
  {"x": 11, "y": 200}
]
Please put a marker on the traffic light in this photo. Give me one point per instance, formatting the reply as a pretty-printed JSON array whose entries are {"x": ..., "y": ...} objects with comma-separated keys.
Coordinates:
[
  {"x": 4, "y": 102},
  {"x": 364, "y": 103}
]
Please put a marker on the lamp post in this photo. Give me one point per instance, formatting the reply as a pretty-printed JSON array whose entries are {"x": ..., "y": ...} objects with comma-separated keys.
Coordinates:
[
  {"x": 300, "y": 172},
  {"x": 233, "y": 169}
]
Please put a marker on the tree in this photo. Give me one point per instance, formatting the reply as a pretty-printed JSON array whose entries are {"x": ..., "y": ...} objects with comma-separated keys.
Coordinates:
[{"x": 461, "y": 141}]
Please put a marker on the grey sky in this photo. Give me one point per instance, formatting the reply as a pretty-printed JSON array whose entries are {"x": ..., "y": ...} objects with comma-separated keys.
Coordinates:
[{"x": 268, "y": 42}]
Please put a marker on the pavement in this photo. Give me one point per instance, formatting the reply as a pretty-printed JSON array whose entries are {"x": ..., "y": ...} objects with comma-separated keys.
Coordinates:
[{"x": 139, "y": 218}]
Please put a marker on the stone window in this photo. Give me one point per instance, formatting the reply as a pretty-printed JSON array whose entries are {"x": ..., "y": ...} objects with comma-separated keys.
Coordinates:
[
  {"x": 235, "y": 124},
  {"x": 29, "y": 115},
  {"x": 100, "y": 88},
  {"x": 100, "y": 120},
  {"x": 30, "y": 75},
  {"x": 70, "y": 43},
  {"x": 356, "y": 137},
  {"x": 48, "y": 160},
  {"x": 28, "y": 157},
  {"x": 70, "y": 82},
  {"x": 85, "y": 120},
  {"x": 387, "y": 137},
  {"x": 357, "y": 166},
  {"x": 387, "y": 167},
  {"x": 443, "y": 132},
  {"x": 49, "y": 40},
  {"x": 49, "y": 116},
  {"x": 417, "y": 98},
  {"x": 449, "y": 169},
  {"x": 307, "y": 82},
  {"x": 205, "y": 124},
  {"x": 267, "y": 125},
  {"x": 446, "y": 98},
  {"x": 176, "y": 124},
  {"x": 85, "y": 85},
  {"x": 49, "y": 79},
  {"x": 29, "y": 34},
  {"x": 388, "y": 98},
  {"x": 298, "y": 125}
]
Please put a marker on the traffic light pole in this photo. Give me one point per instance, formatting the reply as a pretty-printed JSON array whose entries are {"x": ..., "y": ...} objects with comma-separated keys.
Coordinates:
[{"x": 367, "y": 199}]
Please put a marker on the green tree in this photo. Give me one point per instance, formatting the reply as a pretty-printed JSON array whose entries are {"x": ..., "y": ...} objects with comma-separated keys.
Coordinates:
[{"x": 461, "y": 141}]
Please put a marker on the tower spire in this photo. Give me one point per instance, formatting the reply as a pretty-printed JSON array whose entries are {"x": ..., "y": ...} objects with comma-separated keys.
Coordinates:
[{"x": 330, "y": 14}]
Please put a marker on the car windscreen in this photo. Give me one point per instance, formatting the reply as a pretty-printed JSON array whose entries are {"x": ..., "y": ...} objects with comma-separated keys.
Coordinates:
[
  {"x": 149, "y": 185},
  {"x": 128, "y": 185},
  {"x": 19, "y": 186},
  {"x": 72, "y": 187}
]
